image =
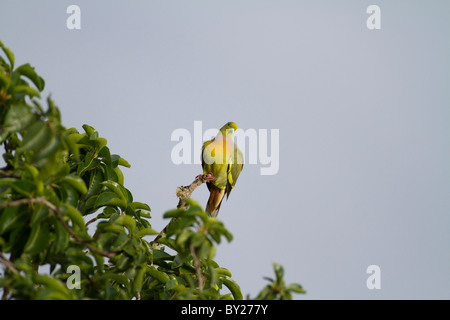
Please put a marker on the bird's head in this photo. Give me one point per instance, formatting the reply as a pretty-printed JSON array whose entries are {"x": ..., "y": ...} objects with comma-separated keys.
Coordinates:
[{"x": 228, "y": 126}]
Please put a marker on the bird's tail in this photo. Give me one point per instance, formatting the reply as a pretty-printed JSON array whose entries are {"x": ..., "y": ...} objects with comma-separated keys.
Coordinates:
[{"x": 215, "y": 200}]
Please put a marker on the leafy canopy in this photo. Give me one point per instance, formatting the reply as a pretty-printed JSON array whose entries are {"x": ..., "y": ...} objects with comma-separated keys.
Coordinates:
[{"x": 63, "y": 203}]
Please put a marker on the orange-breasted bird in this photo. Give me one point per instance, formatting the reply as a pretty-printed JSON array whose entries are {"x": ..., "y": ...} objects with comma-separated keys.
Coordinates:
[{"x": 225, "y": 161}]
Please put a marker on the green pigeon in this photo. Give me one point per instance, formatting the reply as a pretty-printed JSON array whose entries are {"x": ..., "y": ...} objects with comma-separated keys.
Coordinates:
[{"x": 224, "y": 161}]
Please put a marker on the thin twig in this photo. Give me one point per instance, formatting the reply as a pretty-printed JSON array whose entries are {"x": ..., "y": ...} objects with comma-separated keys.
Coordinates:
[
  {"x": 20, "y": 202},
  {"x": 183, "y": 192},
  {"x": 197, "y": 267},
  {"x": 7, "y": 174},
  {"x": 73, "y": 234},
  {"x": 56, "y": 210},
  {"x": 5, "y": 293},
  {"x": 8, "y": 263},
  {"x": 91, "y": 221}
]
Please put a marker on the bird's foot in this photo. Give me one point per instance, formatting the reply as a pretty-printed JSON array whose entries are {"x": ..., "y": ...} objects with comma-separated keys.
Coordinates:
[
  {"x": 210, "y": 177},
  {"x": 207, "y": 177}
]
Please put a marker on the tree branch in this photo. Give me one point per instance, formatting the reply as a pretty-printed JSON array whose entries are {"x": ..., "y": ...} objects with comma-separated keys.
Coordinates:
[
  {"x": 20, "y": 202},
  {"x": 182, "y": 192},
  {"x": 56, "y": 210},
  {"x": 8, "y": 263},
  {"x": 10, "y": 266},
  {"x": 197, "y": 267},
  {"x": 7, "y": 174},
  {"x": 185, "y": 192}
]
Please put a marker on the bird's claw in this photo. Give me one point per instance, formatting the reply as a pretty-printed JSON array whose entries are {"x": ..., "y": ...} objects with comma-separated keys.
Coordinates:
[
  {"x": 207, "y": 177},
  {"x": 210, "y": 177}
]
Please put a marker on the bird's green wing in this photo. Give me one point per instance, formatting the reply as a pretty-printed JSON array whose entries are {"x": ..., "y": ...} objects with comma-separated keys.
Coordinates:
[{"x": 234, "y": 169}]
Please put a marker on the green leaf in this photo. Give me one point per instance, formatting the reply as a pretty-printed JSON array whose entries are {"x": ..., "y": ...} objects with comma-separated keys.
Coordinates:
[
  {"x": 95, "y": 182},
  {"x": 71, "y": 144},
  {"x": 105, "y": 154},
  {"x": 122, "y": 279},
  {"x": 18, "y": 117},
  {"x": 48, "y": 149},
  {"x": 138, "y": 280},
  {"x": 145, "y": 232},
  {"x": 38, "y": 106},
  {"x": 175, "y": 213},
  {"x": 110, "y": 173},
  {"x": 74, "y": 215},
  {"x": 70, "y": 195},
  {"x": 5, "y": 81},
  {"x": 107, "y": 212},
  {"x": 26, "y": 89},
  {"x": 127, "y": 221},
  {"x": 115, "y": 160},
  {"x": 269, "y": 279},
  {"x": 11, "y": 218},
  {"x": 227, "y": 296},
  {"x": 233, "y": 287},
  {"x": 183, "y": 237},
  {"x": 172, "y": 285},
  {"x": 129, "y": 196},
  {"x": 279, "y": 271},
  {"x": 194, "y": 205},
  {"x": 119, "y": 174},
  {"x": 75, "y": 182},
  {"x": 265, "y": 294},
  {"x": 89, "y": 163},
  {"x": 89, "y": 130},
  {"x": 124, "y": 163},
  {"x": 62, "y": 238},
  {"x": 77, "y": 137},
  {"x": 295, "y": 287},
  {"x": 223, "y": 272},
  {"x": 6, "y": 183},
  {"x": 54, "y": 284},
  {"x": 207, "y": 250},
  {"x": 31, "y": 172},
  {"x": 89, "y": 205},
  {"x": 50, "y": 294},
  {"x": 36, "y": 136},
  {"x": 38, "y": 239},
  {"x": 123, "y": 261},
  {"x": 110, "y": 199},
  {"x": 9, "y": 55},
  {"x": 99, "y": 142},
  {"x": 139, "y": 205},
  {"x": 213, "y": 275},
  {"x": 40, "y": 212},
  {"x": 108, "y": 231},
  {"x": 28, "y": 71},
  {"x": 116, "y": 188},
  {"x": 120, "y": 242},
  {"x": 71, "y": 131},
  {"x": 53, "y": 113},
  {"x": 24, "y": 187},
  {"x": 160, "y": 254},
  {"x": 198, "y": 238},
  {"x": 158, "y": 275}
]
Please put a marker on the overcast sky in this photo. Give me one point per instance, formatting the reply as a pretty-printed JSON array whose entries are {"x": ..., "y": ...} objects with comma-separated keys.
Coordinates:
[{"x": 362, "y": 115}]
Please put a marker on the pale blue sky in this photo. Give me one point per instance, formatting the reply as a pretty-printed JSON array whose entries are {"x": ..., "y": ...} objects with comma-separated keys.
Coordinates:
[{"x": 363, "y": 118}]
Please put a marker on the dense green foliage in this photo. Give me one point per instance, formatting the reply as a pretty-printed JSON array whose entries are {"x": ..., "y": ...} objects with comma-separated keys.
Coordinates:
[{"x": 63, "y": 203}]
